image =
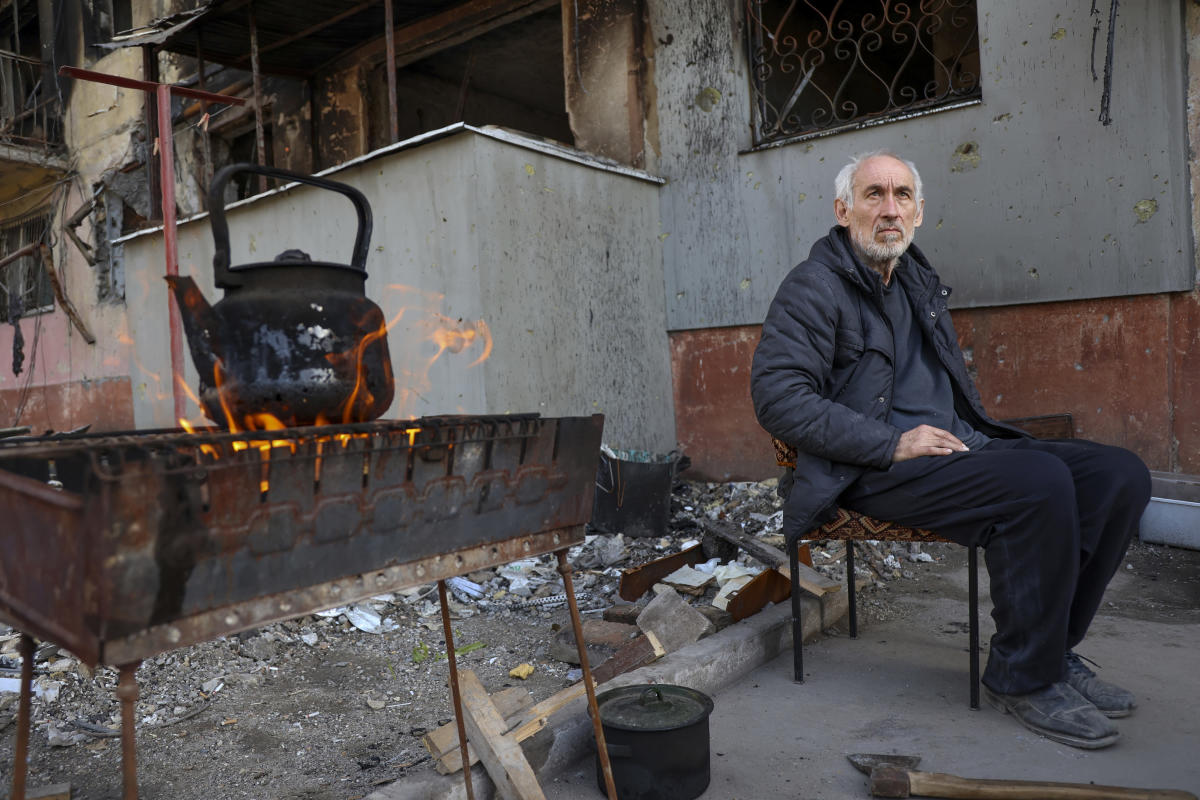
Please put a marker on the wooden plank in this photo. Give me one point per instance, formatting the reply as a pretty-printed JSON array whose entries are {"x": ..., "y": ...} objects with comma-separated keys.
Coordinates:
[
  {"x": 636, "y": 581},
  {"x": 57, "y": 791},
  {"x": 518, "y": 726},
  {"x": 501, "y": 755},
  {"x": 808, "y": 578},
  {"x": 443, "y": 741},
  {"x": 631, "y": 655},
  {"x": 768, "y": 586}
]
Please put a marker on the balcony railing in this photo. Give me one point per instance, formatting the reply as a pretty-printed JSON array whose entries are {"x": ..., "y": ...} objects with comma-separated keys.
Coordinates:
[{"x": 30, "y": 115}]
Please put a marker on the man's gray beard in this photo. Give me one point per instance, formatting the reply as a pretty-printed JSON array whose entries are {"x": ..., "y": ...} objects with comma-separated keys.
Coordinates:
[{"x": 884, "y": 253}]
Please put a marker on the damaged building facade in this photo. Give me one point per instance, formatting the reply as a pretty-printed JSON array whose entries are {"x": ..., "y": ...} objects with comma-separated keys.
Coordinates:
[{"x": 586, "y": 206}]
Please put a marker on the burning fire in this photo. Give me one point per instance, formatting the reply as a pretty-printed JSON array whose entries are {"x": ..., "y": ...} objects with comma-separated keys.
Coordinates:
[{"x": 442, "y": 334}]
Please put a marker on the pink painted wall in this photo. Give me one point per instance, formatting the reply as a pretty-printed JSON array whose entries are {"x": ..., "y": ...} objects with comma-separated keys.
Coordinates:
[{"x": 1126, "y": 368}]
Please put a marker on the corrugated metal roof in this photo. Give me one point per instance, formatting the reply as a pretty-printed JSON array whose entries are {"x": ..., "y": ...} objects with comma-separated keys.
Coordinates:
[{"x": 295, "y": 37}]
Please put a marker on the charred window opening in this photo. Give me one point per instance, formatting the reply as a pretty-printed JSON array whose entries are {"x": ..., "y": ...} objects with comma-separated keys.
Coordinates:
[
  {"x": 822, "y": 66},
  {"x": 29, "y": 103},
  {"x": 511, "y": 76},
  {"x": 110, "y": 17},
  {"x": 24, "y": 285}
]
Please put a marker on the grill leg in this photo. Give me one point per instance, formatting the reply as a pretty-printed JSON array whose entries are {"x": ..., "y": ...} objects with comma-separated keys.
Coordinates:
[
  {"x": 973, "y": 596},
  {"x": 454, "y": 691},
  {"x": 564, "y": 568},
  {"x": 127, "y": 693},
  {"x": 21, "y": 752},
  {"x": 797, "y": 615},
  {"x": 850, "y": 589}
]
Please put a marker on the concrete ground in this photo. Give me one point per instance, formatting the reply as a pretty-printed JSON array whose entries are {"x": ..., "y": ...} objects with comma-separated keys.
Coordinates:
[{"x": 902, "y": 687}]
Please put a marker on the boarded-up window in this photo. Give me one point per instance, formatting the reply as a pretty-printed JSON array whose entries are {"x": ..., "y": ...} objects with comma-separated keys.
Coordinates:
[
  {"x": 825, "y": 65},
  {"x": 24, "y": 286}
]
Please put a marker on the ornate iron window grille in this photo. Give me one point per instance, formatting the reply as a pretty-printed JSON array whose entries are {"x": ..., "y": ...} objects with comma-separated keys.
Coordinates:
[{"x": 819, "y": 66}]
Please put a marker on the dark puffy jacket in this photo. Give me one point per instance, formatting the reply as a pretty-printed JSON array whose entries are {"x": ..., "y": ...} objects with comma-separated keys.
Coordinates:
[{"x": 823, "y": 372}]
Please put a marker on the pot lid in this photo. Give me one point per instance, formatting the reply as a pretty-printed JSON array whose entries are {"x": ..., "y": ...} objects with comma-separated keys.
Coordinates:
[{"x": 653, "y": 707}]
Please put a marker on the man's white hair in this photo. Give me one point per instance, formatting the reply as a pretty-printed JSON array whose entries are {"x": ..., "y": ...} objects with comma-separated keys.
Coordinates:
[{"x": 843, "y": 184}]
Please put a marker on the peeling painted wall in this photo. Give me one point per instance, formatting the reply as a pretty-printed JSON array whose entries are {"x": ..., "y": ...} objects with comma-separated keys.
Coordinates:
[
  {"x": 1029, "y": 197},
  {"x": 560, "y": 258}
]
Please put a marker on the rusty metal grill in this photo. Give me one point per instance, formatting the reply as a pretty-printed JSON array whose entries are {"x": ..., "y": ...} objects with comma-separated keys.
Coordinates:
[
  {"x": 819, "y": 65},
  {"x": 156, "y": 540}
]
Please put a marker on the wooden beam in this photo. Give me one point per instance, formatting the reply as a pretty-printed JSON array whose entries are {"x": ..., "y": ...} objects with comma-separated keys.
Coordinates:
[
  {"x": 808, "y": 578},
  {"x": 443, "y": 741},
  {"x": 502, "y": 756},
  {"x": 519, "y": 726},
  {"x": 424, "y": 37}
]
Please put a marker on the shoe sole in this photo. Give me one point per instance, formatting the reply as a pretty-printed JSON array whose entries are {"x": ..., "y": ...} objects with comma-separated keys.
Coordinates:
[
  {"x": 1125, "y": 712},
  {"x": 1056, "y": 736}
]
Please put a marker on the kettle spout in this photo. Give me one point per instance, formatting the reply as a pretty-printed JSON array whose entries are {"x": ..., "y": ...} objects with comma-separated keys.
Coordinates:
[{"x": 200, "y": 322}]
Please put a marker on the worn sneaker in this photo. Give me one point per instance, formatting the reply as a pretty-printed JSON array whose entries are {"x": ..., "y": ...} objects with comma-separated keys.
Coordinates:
[
  {"x": 1057, "y": 712},
  {"x": 1113, "y": 701}
]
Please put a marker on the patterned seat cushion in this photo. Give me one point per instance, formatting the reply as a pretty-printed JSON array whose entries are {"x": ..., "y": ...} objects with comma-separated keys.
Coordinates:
[{"x": 850, "y": 524}]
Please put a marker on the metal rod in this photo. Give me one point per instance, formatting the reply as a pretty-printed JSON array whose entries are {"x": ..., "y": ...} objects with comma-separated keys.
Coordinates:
[
  {"x": 166, "y": 160},
  {"x": 147, "y": 85},
  {"x": 850, "y": 591},
  {"x": 260, "y": 140},
  {"x": 973, "y": 591},
  {"x": 454, "y": 691},
  {"x": 389, "y": 35},
  {"x": 564, "y": 569},
  {"x": 21, "y": 752},
  {"x": 127, "y": 693},
  {"x": 797, "y": 614}
]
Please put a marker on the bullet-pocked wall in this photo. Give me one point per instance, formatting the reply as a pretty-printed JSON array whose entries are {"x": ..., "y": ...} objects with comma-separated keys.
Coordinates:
[
  {"x": 1032, "y": 206},
  {"x": 518, "y": 277}
]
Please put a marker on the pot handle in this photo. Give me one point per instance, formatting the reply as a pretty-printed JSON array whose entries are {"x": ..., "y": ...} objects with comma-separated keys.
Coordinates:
[{"x": 224, "y": 277}]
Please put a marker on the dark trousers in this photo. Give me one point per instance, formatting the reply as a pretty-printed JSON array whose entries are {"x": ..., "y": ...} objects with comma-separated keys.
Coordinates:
[{"x": 1054, "y": 518}]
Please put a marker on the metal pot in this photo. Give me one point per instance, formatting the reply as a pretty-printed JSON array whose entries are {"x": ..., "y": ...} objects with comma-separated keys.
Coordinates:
[
  {"x": 657, "y": 738},
  {"x": 294, "y": 338}
]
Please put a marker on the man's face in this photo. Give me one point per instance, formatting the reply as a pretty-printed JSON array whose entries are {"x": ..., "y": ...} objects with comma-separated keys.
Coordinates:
[{"x": 885, "y": 214}]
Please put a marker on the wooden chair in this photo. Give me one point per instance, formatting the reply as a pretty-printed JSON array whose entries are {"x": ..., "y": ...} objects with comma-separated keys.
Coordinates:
[{"x": 850, "y": 526}]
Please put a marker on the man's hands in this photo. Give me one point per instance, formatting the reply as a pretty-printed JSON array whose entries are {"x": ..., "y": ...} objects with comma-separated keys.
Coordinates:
[{"x": 926, "y": 440}]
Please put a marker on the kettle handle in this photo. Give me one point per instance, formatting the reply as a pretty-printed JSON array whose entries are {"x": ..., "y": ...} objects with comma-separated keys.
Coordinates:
[{"x": 224, "y": 277}]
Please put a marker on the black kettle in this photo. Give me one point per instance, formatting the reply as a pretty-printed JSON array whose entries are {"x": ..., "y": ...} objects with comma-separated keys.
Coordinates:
[{"x": 293, "y": 339}]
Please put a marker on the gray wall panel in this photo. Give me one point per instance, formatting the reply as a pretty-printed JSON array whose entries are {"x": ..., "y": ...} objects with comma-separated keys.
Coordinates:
[
  {"x": 1049, "y": 212},
  {"x": 561, "y": 259}
]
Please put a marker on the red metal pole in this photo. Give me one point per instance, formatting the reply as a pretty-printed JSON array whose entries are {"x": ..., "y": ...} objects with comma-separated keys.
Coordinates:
[
  {"x": 166, "y": 160},
  {"x": 455, "y": 694},
  {"x": 21, "y": 751},
  {"x": 564, "y": 569},
  {"x": 127, "y": 693}
]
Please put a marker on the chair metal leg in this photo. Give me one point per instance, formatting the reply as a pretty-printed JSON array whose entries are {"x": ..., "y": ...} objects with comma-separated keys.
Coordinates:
[
  {"x": 797, "y": 626},
  {"x": 850, "y": 589},
  {"x": 973, "y": 593}
]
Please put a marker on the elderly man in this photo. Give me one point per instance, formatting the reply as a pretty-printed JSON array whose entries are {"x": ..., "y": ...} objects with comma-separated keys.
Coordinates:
[{"x": 859, "y": 369}]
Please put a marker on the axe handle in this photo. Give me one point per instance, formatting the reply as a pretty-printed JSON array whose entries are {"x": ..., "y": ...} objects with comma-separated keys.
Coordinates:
[{"x": 937, "y": 784}]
